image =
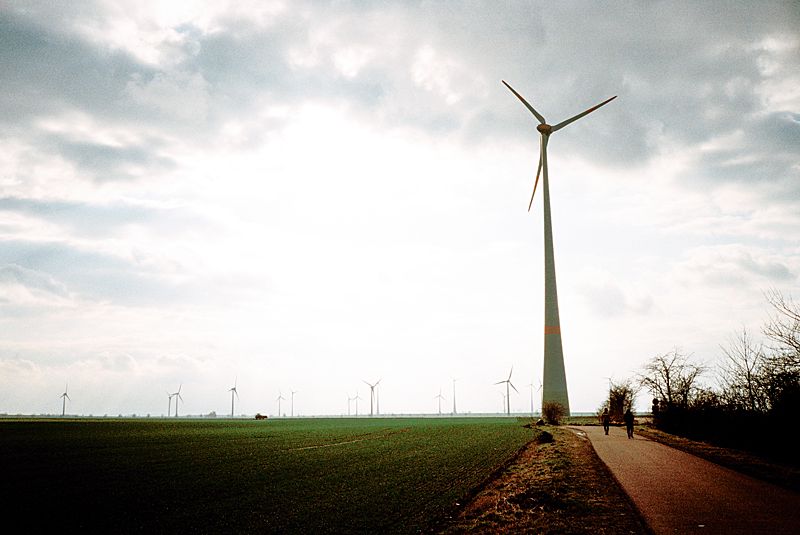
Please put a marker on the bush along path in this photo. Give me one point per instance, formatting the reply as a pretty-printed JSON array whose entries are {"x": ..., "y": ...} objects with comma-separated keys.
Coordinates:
[{"x": 556, "y": 484}]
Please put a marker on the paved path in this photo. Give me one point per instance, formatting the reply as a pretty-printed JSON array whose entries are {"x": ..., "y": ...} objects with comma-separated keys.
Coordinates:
[{"x": 679, "y": 493}]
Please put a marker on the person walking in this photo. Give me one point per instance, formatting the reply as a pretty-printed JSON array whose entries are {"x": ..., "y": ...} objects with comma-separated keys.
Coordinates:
[
  {"x": 606, "y": 420},
  {"x": 628, "y": 417}
]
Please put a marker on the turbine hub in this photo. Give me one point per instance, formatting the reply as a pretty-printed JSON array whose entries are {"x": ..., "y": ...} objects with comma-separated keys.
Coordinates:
[{"x": 545, "y": 129}]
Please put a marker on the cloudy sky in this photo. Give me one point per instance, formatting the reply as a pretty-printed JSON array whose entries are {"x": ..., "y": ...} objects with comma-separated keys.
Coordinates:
[{"x": 305, "y": 195}]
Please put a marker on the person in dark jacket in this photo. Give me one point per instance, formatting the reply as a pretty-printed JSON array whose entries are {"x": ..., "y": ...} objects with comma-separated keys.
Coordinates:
[
  {"x": 628, "y": 417},
  {"x": 606, "y": 420}
]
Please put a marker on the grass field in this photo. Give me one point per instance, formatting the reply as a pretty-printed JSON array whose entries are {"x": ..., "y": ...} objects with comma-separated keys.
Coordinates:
[{"x": 294, "y": 475}]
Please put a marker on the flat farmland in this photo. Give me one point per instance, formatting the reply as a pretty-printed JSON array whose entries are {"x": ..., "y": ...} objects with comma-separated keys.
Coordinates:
[{"x": 286, "y": 475}]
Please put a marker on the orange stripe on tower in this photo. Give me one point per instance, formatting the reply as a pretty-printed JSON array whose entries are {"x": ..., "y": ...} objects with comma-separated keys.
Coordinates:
[{"x": 552, "y": 330}]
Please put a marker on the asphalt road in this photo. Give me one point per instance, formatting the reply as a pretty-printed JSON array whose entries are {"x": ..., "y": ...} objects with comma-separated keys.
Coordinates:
[{"x": 679, "y": 493}]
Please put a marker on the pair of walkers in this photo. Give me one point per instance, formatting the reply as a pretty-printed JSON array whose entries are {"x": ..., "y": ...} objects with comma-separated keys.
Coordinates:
[{"x": 627, "y": 418}]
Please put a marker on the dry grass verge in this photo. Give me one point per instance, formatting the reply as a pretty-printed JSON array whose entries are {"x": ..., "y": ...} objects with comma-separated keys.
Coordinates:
[{"x": 557, "y": 486}]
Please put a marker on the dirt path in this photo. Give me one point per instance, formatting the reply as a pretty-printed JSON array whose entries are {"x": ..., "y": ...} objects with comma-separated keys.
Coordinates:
[{"x": 679, "y": 493}]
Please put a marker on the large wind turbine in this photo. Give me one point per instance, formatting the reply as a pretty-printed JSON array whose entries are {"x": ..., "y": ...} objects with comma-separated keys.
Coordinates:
[
  {"x": 508, "y": 392},
  {"x": 372, "y": 394},
  {"x": 64, "y": 397},
  {"x": 233, "y": 391},
  {"x": 555, "y": 379},
  {"x": 293, "y": 393}
]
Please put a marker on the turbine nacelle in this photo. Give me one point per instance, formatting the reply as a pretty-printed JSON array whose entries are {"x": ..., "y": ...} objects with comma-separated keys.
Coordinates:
[{"x": 546, "y": 130}]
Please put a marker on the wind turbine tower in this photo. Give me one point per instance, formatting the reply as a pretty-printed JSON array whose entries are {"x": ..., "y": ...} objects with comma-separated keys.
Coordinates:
[
  {"x": 372, "y": 395},
  {"x": 454, "y": 397},
  {"x": 508, "y": 392},
  {"x": 555, "y": 379},
  {"x": 64, "y": 397},
  {"x": 177, "y": 396},
  {"x": 440, "y": 397},
  {"x": 169, "y": 404},
  {"x": 278, "y": 399},
  {"x": 233, "y": 391},
  {"x": 293, "y": 393}
]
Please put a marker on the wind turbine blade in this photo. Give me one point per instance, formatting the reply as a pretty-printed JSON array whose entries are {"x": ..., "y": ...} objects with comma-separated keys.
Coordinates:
[
  {"x": 514, "y": 387},
  {"x": 538, "y": 171},
  {"x": 499, "y": 382},
  {"x": 530, "y": 108},
  {"x": 509, "y": 373},
  {"x": 562, "y": 124}
]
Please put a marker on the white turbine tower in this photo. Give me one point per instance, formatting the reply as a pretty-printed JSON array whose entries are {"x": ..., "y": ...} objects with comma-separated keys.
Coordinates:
[
  {"x": 372, "y": 395},
  {"x": 293, "y": 393},
  {"x": 454, "y": 397},
  {"x": 169, "y": 404},
  {"x": 555, "y": 379},
  {"x": 64, "y": 397},
  {"x": 177, "y": 396},
  {"x": 440, "y": 397},
  {"x": 278, "y": 399},
  {"x": 233, "y": 391},
  {"x": 357, "y": 398},
  {"x": 531, "y": 385},
  {"x": 508, "y": 393}
]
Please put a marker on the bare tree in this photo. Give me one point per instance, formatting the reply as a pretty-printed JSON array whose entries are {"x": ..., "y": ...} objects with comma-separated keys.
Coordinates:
[
  {"x": 671, "y": 377},
  {"x": 783, "y": 327},
  {"x": 620, "y": 398},
  {"x": 743, "y": 373}
]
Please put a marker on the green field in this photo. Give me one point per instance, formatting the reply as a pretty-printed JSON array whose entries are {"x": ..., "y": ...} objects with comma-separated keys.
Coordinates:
[{"x": 295, "y": 475}]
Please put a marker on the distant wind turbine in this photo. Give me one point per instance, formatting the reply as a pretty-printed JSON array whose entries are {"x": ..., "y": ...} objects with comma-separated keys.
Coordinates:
[
  {"x": 293, "y": 393},
  {"x": 357, "y": 398},
  {"x": 531, "y": 385},
  {"x": 169, "y": 404},
  {"x": 372, "y": 394},
  {"x": 177, "y": 396},
  {"x": 233, "y": 391},
  {"x": 508, "y": 393},
  {"x": 349, "y": 399},
  {"x": 64, "y": 397},
  {"x": 278, "y": 399},
  {"x": 440, "y": 397},
  {"x": 555, "y": 379},
  {"x": 454, "y": 397}
]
